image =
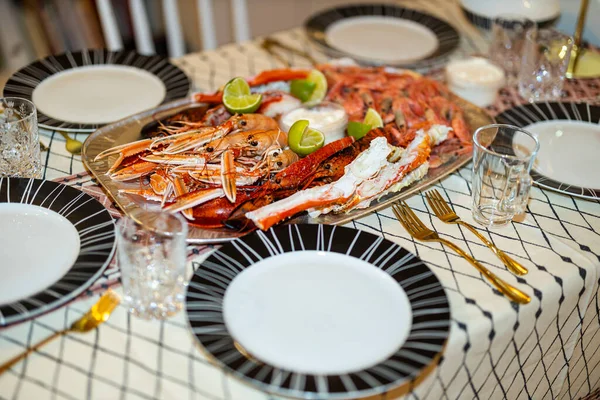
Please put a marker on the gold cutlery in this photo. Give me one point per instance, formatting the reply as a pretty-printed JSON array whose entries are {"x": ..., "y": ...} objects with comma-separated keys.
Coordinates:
[
  {"x": 73, "y": 146},
  {"x": 419, "y": 231},
  {"x": 443, "y": 211},
  {"x": 268, "y": 43},
  {"x": 43, "y": 147},
  {"x": 98, "y": 314}
]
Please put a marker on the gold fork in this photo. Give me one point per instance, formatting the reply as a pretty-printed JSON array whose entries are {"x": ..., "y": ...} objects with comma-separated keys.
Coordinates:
[
  {"x": 98, "y": 314},
  {"x": 419, "y": 231},
  {"x": 443, "y": 211}
]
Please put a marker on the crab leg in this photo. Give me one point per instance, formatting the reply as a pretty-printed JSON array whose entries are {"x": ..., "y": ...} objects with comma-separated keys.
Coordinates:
[
  {"x": 214, "y": 98},
  {"x": 274, "y": 75},
  {"x": 365, "y": 166}
]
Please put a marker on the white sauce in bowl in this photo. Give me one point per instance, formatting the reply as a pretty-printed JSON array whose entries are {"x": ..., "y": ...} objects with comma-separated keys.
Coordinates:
[
  {"x": 329, "y": 118},
  {"x": 475, "y": 79}
]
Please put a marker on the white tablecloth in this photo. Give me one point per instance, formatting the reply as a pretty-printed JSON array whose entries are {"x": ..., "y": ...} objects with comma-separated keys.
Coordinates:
[{"x": 547, "y": 349}]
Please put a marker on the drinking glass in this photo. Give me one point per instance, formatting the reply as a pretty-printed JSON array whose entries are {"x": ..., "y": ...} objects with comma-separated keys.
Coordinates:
[
  {"x": 502, "y": 158},
  {"x": 508, "y": 36},
  {"x": 545, "y": 60},
  {"x": 19, "y": 140},
  {"x": 151, "y": 252}
]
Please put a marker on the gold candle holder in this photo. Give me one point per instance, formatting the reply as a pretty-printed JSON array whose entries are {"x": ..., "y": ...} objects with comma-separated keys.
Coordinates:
[{"x": 583, "y": 63}]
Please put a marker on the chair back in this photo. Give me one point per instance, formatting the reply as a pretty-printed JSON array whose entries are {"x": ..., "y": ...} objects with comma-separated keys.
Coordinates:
[{"x": 174, "y": 34}]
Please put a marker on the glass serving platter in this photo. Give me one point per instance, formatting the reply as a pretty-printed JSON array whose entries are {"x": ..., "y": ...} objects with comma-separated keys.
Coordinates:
[{"x": 131, "y": 129}]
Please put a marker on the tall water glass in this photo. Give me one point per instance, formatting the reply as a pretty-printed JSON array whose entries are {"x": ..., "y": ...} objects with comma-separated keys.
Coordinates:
[
  {"x": 151, "y": 252},
  {"x": 508, "y": 37},
  {"x": 545, "y": 60},
  {"x": 502, "y": 159},
  {"x": 19, "y": 139}
]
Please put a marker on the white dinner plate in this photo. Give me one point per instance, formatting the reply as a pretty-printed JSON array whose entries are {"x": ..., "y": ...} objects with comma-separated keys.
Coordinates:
[
  {"x": 55, "y": 241},
  {"x": 267, "y": 310},
  {"x": 389, "y": 40},
  {"x": 98, "y": 94},
  {"x": 84, "y": 90},
  {"x": 569, "y": 136},
  {"x": 383, "y": 34},
  {"x": 318, "y": 311}
]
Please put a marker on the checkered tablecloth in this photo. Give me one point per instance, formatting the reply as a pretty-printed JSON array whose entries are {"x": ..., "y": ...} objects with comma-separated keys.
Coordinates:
[{"x": 548, "y": 349}]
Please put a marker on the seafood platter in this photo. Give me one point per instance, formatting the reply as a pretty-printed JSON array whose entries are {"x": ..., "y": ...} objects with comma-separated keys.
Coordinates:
[{"x": 326, "y": 145}]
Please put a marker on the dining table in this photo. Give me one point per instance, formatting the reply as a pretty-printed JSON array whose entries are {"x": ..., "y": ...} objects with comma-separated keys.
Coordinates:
[{"x": 547, "y": 349}]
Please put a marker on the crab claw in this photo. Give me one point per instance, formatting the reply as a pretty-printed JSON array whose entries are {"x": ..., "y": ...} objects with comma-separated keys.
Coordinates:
[
  {"x": 228, "y": 175},
  {"x": 193, "y": 199}
]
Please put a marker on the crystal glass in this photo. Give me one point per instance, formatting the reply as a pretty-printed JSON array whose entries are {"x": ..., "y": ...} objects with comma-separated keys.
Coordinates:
[
  {"x": 151, "y": 252},
  {"x": 19, "y": 139},
  {"x": 508, "y": 37},
  {"x": 502, "y": 159},
  {"x": 545, "y": 60}
]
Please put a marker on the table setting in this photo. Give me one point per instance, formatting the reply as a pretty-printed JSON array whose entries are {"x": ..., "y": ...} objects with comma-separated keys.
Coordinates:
[{"x": 316, "y": 214}]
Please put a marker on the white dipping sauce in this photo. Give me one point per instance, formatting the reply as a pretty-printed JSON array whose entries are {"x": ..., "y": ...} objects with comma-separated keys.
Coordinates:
[
  {"x": 475, "y": 79},
  {"x": 331, "y": 119}
]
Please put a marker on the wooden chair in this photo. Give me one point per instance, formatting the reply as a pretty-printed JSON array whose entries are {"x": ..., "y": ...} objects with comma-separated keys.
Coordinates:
[{"x": 174, "y": 34}]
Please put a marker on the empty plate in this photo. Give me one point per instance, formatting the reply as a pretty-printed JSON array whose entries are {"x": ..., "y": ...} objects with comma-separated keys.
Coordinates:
[
  {"x": 318, "y": 311},
  {"x": 389, "y": 40},
  {"x": 383, "y": 34},
  {"x": 569, "y": 134},
  {"x": 98, "y": 94},
  {"x": 56, "y": 249},
  {"x": 84, "y": 90},
  {"x": 55, "y": 242}
]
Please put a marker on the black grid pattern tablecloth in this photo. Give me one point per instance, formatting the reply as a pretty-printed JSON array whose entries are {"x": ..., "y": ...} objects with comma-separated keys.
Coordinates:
[{"x": 549, "y": 349}]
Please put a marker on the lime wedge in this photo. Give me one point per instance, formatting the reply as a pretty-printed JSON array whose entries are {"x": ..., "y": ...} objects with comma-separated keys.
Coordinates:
[
  {"x": 373, "y": 118},
  {"x": 357, "y": 129},
  {"x": 318, "y": 94},
  {"x": 302, "y": 89},
  {"x": 303, "y": 140},
  {"x": 238, "y": 99}
]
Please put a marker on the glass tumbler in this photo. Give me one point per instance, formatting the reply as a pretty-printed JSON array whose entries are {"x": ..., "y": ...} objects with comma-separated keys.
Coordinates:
[
  {"x": 545, "y": 60},
  {"x": 19, "y": 139},
  {"x": 508, "y": 37},
  {"x": 502, "y": 159},
  {"x": 151, "y": 252}
]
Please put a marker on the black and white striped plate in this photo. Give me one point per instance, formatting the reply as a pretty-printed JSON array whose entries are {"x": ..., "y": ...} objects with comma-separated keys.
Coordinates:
[
  {"x": 427, "y": 301},
  {"x": 95, "y": 227},
  {"x": 23, "y": 82},
  {"x": 447, "y": 36},
  {"x": 563, "y": 138}
]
